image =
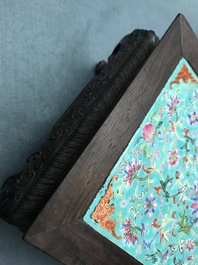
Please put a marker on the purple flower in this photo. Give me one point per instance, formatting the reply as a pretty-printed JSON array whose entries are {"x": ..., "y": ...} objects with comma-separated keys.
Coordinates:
[
  {"x": 194, "y": 206},
  {"x": 196, "y": 189},
  {"x": 193, "y": 118},
  {"x": 173, "y": 102},
  {"x": 128, "y": 232},
  {"x": 130, "y": 168},
  {"x": 150, "y": 205},
  {"x": 196, "y": 94}
]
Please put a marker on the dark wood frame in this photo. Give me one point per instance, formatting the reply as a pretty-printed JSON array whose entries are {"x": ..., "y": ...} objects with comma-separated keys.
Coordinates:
[
  {"x": 24, "y": 195},
  {"x": 59, "y": 230}
]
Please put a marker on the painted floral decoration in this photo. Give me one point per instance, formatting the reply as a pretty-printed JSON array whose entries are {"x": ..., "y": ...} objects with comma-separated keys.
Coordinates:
[
  {"x": 193, "y": 118},
  {"x": 172, "y": 105},
  {"x": 196, "y": 94},
  {"x": 149, "y": 132},
  {"x": 150, "y": 205},
  {"x": 155, "y": 193},
  {"x": 129, "y": 233},
  {"x": 194, "y": 205},
  {"x": 173, "y": 157},
  {"x": 131, "y": 169},
  {"x": 190, "y": 245}
]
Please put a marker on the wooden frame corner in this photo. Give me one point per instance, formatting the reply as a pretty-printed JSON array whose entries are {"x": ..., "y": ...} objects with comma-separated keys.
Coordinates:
[{"x": 59, "y": 230}]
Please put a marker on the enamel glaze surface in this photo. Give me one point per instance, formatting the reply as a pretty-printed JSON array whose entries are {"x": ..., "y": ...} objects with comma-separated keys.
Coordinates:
[{"x": 148, "y": 205}]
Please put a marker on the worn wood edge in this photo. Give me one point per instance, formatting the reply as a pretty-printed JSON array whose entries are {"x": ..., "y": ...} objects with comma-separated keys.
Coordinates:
[
  {"x": 74, "y": 252},
  {"x": 189, "y": 43}
]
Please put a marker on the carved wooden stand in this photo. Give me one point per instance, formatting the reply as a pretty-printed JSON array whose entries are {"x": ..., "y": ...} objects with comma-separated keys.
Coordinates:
[
  {"x": 60, "y": 230},
  {"x": 24, "y": 195}
]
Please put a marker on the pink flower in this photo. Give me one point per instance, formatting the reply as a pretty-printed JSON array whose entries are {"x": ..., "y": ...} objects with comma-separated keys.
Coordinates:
[
  {"x": 195, "y": 206},
  {"x": 128, "y": 231},
  {"x": 190, "y": 245},
  {"x": 130, "y": 169},
  {"x": 150, "y": 205},
  {"x": 131, "y": 238},
  {"x": 173, "y": 157},
  {"x": 123, "y": 203},
  {"x": 149, "y": 131}
]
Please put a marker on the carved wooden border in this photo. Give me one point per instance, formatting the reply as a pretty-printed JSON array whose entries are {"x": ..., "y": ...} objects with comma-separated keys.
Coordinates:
[
  {"x": 59, "y": 230},
  {"x": 24, "y": 195}
]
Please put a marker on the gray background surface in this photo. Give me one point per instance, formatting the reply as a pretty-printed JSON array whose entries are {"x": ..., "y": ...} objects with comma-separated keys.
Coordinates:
[{"x": 48, "y": 50}]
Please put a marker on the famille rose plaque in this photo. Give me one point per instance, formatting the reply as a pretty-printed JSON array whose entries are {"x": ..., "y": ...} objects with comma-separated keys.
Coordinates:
[{"x": 148, "y": 205}]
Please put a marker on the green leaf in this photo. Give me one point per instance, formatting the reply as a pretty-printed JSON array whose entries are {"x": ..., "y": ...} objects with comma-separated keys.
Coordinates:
[
  {"x": 159, "y": 124},
  {"x": 149, "y": 257},
  {"x": 184, "y": 230},
  {"x": 162, "y": 184},
  {"x": 154, "y": 260},
  {"x": 180, "y": 224},
  {"x": 153, "y": 115},
  {"x": 145, "y": 150},
  {"x": 137, "y": 141}
]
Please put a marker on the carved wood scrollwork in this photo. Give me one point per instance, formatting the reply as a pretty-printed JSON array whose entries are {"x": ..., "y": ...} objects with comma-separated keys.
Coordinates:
[{"x": 24, "y": 195}]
